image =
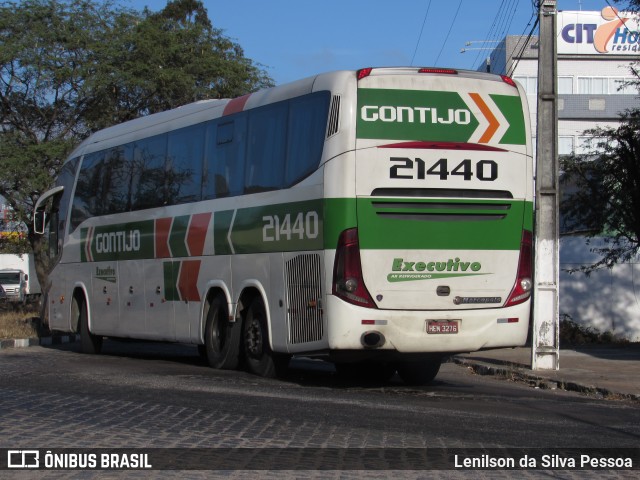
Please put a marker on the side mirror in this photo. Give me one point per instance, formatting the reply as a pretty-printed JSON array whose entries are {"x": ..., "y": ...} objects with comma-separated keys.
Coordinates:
[{"x": 39, "y": 221}]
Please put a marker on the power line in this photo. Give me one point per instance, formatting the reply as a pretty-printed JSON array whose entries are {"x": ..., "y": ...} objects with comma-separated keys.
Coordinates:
[
  {"x": 489, "y": 33},
  {"x": 421, "y": 30},
  {"x": 524, "y": 45},
  {"x": 448, "y": 33},
  {"x": 513, "y": 14}
]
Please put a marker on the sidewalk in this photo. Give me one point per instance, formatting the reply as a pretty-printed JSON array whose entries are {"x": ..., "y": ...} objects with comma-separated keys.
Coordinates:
[{"x": 609, "y": 371}]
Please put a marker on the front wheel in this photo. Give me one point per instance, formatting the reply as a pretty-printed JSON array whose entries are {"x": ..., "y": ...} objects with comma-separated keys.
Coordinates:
[{"x": 259, "y": 357}]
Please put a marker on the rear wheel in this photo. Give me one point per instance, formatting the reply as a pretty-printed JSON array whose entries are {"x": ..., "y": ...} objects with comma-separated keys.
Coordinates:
[
  {"x": 419, "y": 373},
  {"x": 221, "y": 343},
  {"x": 89, "y": 343},
  {"x": 259, "y": 357}
]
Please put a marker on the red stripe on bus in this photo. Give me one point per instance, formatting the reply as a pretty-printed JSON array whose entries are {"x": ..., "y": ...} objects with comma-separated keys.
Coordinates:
[
  {"x": 444, "y": 146},
  {"x": 188, "y": 280},
  {"x": 197, "y": 233},
  {"x": 236, "y": 105},
  {"x": 163, "y": 228}
]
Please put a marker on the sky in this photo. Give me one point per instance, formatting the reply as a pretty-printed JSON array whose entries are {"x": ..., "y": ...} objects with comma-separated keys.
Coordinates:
[{"x": 293, "y": 39}]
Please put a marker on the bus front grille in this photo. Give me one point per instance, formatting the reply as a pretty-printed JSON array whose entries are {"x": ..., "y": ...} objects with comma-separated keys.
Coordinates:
[{"x": 304, "y": 304}]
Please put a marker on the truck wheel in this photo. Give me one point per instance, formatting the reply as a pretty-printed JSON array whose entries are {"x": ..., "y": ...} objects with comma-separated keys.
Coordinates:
[
  {"x": 89, "y": 343},
  {"x": 221, "y": 337}
]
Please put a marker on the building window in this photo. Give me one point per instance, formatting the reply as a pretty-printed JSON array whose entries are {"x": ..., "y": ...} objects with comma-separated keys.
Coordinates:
[
  {"x": 617, "y": 85},
  {"x": 565, "y": 145},
  {"x": 589, "y": 145},
  {"x": 592, "y": 85},
  {"x": 565, "y": 85},
  {"x": 530, "y": 84},
  {"x": 606, "y": 86}
]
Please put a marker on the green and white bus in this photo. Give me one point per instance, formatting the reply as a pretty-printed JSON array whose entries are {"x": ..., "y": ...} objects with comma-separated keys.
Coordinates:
[{"x": 380, "y": 219}]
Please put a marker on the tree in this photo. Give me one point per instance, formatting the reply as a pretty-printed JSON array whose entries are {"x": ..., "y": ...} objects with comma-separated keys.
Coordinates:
[
  {"x": 68, "y": 68},
  {"x": 604, "y": 201},
  {"x": 168, "y": 59},
  {"x": 602, "y": 197}
]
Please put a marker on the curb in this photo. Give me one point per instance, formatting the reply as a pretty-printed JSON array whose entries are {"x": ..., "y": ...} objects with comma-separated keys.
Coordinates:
[
  {"x": 517, "y": 373},
  {"x": 37, "y": 341}
]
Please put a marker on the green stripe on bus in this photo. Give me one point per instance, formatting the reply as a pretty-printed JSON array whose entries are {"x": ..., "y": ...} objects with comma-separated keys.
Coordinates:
[
  {"x": 438, "y": 228},
  {"x": 511, "y": 108},
  {"x": 317, "y": 224},
  {"x": 178, "y": 236},
  {"x": 221, "y": 225},
  {"x": 171, "y": 271},
  {"x": 414, "y": 115},
  {"x": 121, "y": 241},
  {"x": 339, "y": 215},
  {"x": 286, "y": 227}
]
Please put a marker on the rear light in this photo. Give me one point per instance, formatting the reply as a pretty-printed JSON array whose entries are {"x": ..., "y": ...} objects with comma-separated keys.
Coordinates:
[
  {"x": 363, "y": 72},
  {"x": 524, "y": 281},
  {"x": 348, "y": 283},
  {"x": 446, "y": 71},
  {"x": 508, "y": 80}
]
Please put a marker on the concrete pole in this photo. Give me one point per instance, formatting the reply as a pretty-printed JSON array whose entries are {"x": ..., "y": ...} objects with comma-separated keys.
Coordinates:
[{"x": 545, "y": 347}]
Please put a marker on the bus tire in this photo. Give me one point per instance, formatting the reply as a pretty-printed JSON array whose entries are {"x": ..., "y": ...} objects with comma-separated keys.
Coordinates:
[
  {"x": 221, "y": 338},
  {"x": 259, "y": 357},
  {"x": 419, "y": 373},
  {"x": 89, "y": 343}
]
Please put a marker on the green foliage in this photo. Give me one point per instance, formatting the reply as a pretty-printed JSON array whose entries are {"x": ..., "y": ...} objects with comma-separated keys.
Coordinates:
[
  {"x": 604, "y": 200},
  {"x": 572, "y": 333},
  {"x": 169, "y": 59},
  {"x": 68, "y": 68}
]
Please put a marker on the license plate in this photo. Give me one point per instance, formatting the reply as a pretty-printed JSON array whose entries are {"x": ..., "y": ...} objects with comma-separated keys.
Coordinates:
[{"x": 442, "y": 326}]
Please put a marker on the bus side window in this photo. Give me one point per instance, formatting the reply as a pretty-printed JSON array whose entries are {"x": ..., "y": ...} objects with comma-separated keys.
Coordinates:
[
  {"x": 307, "y": 125},
  {"x": 185, "y": 160},
  {"x": 267, "y": 148},
  {"x": 226, "y": 157},
  {"x": 118, "y": 172},
  {"x": 150, "y": 187}
]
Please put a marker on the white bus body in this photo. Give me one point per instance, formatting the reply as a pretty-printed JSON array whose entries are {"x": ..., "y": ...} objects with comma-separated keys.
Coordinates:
[{"x": 383, "y": 215}]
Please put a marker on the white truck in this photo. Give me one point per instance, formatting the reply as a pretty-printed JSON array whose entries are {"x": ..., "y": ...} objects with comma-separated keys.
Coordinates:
[{"x": 18, "y": 277}]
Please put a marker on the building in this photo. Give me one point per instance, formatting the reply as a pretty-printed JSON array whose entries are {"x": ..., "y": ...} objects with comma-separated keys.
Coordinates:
[{"x": 595, "y": 51}]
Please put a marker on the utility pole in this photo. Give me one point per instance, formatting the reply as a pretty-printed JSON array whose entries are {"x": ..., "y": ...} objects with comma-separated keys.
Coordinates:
[{"x": 545, "y": 347}]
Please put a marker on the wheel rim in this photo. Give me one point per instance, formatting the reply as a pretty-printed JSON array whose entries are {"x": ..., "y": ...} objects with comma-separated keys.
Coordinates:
[
  {"x": 253, "y": 338},
  {"x": 216, "y": 337}
]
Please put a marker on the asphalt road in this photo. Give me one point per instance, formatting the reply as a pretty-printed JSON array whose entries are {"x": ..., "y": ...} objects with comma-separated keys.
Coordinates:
[{"x": 145, "y": 395}]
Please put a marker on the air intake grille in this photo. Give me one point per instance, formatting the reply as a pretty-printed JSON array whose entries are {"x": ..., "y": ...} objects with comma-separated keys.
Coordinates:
[
  {"x": 442, "y": 211},
  {"x": 304, "y": 299},
  {"x": 334, "y": 116}
]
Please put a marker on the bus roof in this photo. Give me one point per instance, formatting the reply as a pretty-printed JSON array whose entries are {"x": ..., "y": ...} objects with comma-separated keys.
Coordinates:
[
  {"x": 193, "y": 113},
  {"x": 210, "y": 109}
]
